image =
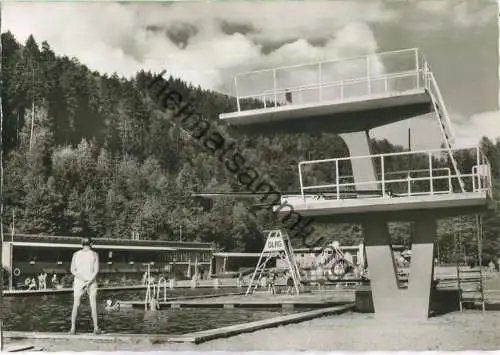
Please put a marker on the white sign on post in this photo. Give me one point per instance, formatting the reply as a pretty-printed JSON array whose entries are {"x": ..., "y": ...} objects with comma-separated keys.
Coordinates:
[
  {"x": 274, "y": 243},
  {"x": 277, "y": 246}
]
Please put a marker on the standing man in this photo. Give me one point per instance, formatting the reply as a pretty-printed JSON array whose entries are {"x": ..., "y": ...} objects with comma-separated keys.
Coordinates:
[{"x": 85, "y": 267}]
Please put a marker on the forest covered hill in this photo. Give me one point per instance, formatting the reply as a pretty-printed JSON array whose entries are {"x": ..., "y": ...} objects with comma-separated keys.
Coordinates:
[{"x": 101, "y": 158}]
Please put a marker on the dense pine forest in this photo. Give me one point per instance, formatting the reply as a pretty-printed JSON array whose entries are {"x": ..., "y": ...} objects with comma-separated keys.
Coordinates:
[{"x": 99, "y": 157}]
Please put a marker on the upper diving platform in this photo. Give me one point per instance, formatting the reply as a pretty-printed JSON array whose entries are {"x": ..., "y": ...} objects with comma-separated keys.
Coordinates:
[
  {"x": 345, "y": 95},
  {"x": 330, "y": 192}
]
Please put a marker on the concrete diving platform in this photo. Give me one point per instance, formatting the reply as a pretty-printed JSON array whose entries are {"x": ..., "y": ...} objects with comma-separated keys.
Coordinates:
[
  {"x": 439, "y": 188},
  {"x": 401, "y": 208},
  {"x": 345, "y": 95}
]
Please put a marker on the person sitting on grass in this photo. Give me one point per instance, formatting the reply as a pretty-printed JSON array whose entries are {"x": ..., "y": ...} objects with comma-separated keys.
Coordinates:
[{"x": 85, "y": 267}]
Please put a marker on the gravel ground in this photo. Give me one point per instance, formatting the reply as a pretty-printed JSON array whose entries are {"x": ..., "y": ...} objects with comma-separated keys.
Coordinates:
[{"x": 470, "y": 330}]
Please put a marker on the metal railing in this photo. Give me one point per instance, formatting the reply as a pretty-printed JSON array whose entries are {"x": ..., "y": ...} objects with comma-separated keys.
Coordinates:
[
  {"x": 163, "y": 284},
  {"x": 435, "y": 93},
  {"x": 332, "y": 80},
  {"x": 428, "y": 181}
]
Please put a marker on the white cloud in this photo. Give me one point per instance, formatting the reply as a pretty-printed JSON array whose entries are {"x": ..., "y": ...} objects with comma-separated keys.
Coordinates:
[
  {"x": 462, "y": 13},
  {"x": 486, "y": 124},
  {"x": 436, "y": 6},
  {"x": 113, "y": 37}
]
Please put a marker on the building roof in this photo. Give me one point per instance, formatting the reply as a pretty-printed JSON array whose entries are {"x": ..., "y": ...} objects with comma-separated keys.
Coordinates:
[
  {"x": 38, "y": 240},
  {"x": 237, "y": 255}
]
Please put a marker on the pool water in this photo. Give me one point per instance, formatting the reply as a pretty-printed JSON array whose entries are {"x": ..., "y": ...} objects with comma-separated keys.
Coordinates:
[{"x": 52, "y": 313}]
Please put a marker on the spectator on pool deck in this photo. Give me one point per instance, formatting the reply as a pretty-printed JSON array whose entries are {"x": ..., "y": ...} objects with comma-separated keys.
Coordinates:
[
  {"x": 288, "y": 96},
  {"x": 290, "y": 284},
  {"x": 269, "y": 283},
  {"x": 263, "y": 281},
  {"x": 85, "y": 267},
  {"x": 32, "y": 285},
  {"x": 43, "y": 281},
  {"x": 40, "y": 281},
  {"x": 54, "y": 281},
  {"x": 274, "y": 276},
  {"x": 240, "y": 280},
  {"x": 491, "y": 266},
  {"x": 320, "y": 277}
]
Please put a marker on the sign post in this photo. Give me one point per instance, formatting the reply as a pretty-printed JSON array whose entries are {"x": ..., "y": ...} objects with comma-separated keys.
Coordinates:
[{"x": 278, "y": 246}]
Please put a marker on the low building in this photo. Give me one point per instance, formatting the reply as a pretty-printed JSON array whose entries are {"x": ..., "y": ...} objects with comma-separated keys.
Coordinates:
[{"x": 25, "y": 256}]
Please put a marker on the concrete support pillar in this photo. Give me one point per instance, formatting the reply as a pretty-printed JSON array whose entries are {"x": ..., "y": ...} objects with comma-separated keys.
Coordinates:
[
  {"x": 422, "y": 267},
  {"x": 363, "y": 169},
  {"x": 388, "y": 298},
  {"x": 381, "y": 267}
]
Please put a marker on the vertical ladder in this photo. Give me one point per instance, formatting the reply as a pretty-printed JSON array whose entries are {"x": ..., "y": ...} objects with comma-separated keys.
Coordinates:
[
  {"x": 474, "y": 277},
  {"x": 476, "y": 294},
  {"x": 458, "y": 244},
  {"x": 443, "y": 120}
]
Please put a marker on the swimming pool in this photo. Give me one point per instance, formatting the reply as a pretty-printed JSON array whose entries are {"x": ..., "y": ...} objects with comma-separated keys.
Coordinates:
[{"x": 52, "y": 313}]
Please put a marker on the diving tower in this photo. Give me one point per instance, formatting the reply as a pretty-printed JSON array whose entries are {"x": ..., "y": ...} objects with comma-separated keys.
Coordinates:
[
  {"x": 350, "y": 97},
  {"x": 346, "y": 95}
]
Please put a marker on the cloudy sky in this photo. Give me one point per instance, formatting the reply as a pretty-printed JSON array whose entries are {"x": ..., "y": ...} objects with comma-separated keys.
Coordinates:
[{"x": 207, "y": 43}]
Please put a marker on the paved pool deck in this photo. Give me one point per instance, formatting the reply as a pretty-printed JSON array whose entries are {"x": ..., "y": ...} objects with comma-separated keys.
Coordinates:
[
  {"x": 257, "y": 300},
  {"x": 471, "y": 330},
  {"x": 181, "y": 284}
]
